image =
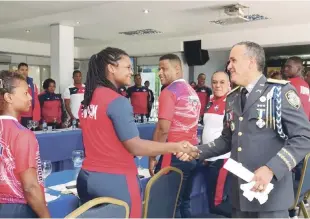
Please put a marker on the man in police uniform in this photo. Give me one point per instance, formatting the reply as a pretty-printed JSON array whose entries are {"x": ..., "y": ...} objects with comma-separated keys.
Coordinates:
[{"x": 266, "y": 130}]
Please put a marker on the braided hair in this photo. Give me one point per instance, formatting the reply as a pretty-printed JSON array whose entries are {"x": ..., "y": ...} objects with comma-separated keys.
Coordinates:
[
  {"x": 97, "y": 71},
  {"x": 7, "y": 80}
]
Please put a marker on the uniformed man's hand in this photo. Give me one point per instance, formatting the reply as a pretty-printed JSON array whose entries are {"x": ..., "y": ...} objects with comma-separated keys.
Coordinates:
[
  {"x": 262, "y": 177},
  {"x": 188, "y": 152}
]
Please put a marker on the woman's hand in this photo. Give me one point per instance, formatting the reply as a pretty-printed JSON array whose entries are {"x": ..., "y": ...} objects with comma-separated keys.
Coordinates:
[{"x": 187, "y": 151}]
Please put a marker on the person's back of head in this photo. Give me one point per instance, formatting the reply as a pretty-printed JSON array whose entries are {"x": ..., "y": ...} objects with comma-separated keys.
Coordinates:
[{"x": 13, "y": 100}]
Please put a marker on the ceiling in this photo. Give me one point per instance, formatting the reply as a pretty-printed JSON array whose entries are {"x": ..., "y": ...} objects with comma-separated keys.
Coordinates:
[{"x": 101, "y": 21}]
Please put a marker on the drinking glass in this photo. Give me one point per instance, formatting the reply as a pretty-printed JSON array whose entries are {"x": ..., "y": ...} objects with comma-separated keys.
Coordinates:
[
  {"x": 139, "y": 162},
  {"x": 46, "y": 170},
  {"x": 77, "y": 158},
  {"x": 67, "y": 123},
  {"x": 29, "y": 124},
  {"x": 54, "y": 124},
  {"x": 35, "y": 124}
]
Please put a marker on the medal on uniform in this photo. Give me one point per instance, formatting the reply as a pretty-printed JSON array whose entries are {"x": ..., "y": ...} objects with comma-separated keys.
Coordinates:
[
  {"x": 232, "y": 126},
  {"x": 260, "y": 122},
  {"x": 262, "y": 99}
]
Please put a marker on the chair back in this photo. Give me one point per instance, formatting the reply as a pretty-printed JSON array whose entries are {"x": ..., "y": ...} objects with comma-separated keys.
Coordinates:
[
  {"x": 304, "y": 183},
  {"x": 162, "y": 193},
  {"x": 103, "y": 207}
]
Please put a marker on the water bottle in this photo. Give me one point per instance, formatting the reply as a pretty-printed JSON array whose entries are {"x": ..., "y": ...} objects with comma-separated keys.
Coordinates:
[
  {"x": 44, "y": 126},
  {"x": 74, "y": 124},
  {"x": 144, "y": 119}
]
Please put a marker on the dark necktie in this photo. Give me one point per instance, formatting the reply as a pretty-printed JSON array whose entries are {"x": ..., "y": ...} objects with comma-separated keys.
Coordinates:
[{"x": 243, "y": 98}]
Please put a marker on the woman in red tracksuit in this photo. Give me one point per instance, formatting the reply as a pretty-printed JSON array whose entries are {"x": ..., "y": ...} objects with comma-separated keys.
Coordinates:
[{"x": 52, "y": 108}]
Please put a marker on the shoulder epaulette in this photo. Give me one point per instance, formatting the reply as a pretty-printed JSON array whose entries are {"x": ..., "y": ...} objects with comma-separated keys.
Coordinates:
[
  {"x": 233, "y": 90},
  {"x": 276, "y": 81}
]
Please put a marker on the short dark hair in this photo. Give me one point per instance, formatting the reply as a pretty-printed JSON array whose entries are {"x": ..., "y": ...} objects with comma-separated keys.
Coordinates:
[
  {"x": 170, "y": 57},
  {"x": 201, "y": 74},
  {"x": 146, "y": 82},
  {"x": 76, "y": 72},
  {"x": 22, "y": 64},
  {"x": 47, "y": 82},
  {"x": 296, "y": 59},
  {"x": 136, "y": 75}
]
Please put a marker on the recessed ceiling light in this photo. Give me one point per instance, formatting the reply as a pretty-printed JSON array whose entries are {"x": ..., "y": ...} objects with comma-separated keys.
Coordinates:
[
  {"x": 145, "y": 11},
  {"x": 77, "y": 22},
  {"x": 27, "y": 31}
]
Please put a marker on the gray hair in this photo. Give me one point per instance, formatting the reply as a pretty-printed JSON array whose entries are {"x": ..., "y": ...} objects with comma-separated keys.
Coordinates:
[{"x": 256, "y": 51}]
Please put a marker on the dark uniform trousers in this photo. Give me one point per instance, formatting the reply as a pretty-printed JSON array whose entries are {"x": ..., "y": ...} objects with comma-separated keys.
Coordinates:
[
  {"x": 264, "y": 214},
  {"x": 272, "y": 130}
]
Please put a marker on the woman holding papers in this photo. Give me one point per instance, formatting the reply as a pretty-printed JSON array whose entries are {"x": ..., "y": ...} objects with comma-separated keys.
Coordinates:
[
  {"x": 110, "y": 136},
  {"x": 21, "y": 184}
]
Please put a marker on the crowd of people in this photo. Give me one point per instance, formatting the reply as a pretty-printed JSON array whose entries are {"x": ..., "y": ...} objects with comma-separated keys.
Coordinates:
[{"x": 236, "y": 122}]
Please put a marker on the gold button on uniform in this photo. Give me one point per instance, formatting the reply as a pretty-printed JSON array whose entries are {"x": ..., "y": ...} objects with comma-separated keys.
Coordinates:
[
  {"x": 240, "y": 118},
  {"x": 239, "y": 133},
  {"x": 239, "y": 149}
]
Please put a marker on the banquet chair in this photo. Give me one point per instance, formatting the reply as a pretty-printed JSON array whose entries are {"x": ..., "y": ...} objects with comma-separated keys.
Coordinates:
[
  {"x": 162, "y": 193},
  {"x": 302, "y": 189},
  {"x": 103, "y": 207}
]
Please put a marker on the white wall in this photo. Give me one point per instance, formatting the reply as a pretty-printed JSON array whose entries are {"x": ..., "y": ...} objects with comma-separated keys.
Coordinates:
[
  {"x": 218, "y": 60},
  {"x": 4, "y": 67},
  {"x": 27, "y": 47},
  {"x": 84, "y": 68}
]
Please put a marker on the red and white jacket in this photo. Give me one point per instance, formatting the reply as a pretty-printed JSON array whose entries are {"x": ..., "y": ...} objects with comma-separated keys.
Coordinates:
[
  {"x": 213, "y": 123},
  {"x": 302, "y": 89}
]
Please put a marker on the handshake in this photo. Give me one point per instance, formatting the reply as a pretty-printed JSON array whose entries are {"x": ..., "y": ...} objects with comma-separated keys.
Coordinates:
[
  {"x": 183, "y": 150},
  {"x": 186, "y": 151}
]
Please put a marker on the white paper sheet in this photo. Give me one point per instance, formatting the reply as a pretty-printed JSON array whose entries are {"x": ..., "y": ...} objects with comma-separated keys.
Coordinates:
[
  {"x": 59, "y": 188},
  {"x": 49, "y": 197},
  {"x": 239, "y": 170},
  {"x": 243, "y": 173},
  {"x": 144, "y": 172},
  {"x": 62, "y": 187}
]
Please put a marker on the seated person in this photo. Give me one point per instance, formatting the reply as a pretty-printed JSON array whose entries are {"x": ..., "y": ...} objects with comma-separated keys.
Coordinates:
[{"x": 21, "y": 183}]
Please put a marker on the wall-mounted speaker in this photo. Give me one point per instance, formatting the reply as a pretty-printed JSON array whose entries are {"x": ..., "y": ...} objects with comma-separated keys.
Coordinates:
[{"x": 193, "y": 53}]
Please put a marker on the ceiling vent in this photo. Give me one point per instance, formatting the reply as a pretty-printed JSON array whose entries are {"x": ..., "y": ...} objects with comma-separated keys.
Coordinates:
[
  {"x": 141, "y": 32},
  {"x": 234, "y": 14}
]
